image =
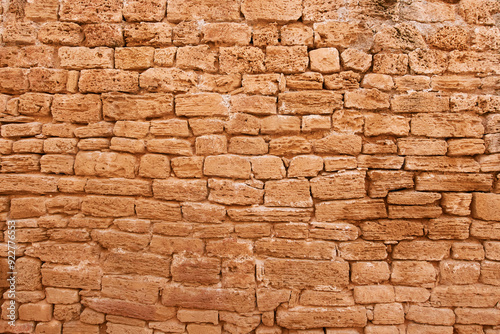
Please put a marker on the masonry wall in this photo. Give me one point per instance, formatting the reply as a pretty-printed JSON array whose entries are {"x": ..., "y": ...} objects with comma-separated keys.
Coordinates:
[{"x": 253, "y": 166}]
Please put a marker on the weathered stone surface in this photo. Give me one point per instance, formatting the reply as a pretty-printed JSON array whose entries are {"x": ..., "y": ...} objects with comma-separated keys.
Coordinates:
[
  {"x": 299, "y": 317},
  {"x": 465, "y": 296},
  {"x": 338, "y": 144},
  {"x": 108, "y": 80},
  {"x": 453, "y": 182},
  {"x": 420, "y": 102},
  {"x": 446, "y": 125},
  {"x": 391, "y": 229},
  {"x": 292, "y": 193},
  {"x": 126, "y": 107},
  {"x": 360, "y": 209},
  {"x": 71, "y": 276},
  {"x": 234, "y": 193},
  {"x": 320, "y": 274},
  {"x": 179, "y": 10},
  {"x": 87, "y": 11},
  {"x": 209, "y": 298},
  {"x": 485, "y": 206},
  {"x": 342, "y": 185},
  {"x": 286, "y": 59},
  {"x": 309, "y": 102}
]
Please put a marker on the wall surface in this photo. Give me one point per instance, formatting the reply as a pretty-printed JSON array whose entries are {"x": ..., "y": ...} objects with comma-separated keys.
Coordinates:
[{"x": 250, "y": 166}]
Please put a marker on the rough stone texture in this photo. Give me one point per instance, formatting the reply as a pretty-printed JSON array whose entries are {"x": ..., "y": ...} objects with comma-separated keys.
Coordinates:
[{"x": 251, "y": 166}]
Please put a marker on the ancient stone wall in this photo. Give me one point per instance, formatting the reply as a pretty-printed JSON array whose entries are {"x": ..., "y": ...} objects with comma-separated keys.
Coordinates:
[{"x": 250, "y": 166}]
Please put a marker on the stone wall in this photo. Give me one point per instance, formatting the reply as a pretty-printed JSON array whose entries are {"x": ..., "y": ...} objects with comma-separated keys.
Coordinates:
[{"x": 251, "y": 166}]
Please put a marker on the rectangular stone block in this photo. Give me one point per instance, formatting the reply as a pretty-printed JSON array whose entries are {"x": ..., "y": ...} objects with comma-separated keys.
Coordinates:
[
  {"x": 391, "y": 229},
  {"x": 295, "y": 249},
  {"x": 299, "y": 317},
  {"x": 13, "y": 80},
  {"x": 71, "y": 276},
  {"x": 453, "y": 182},
  {"x": 20, "y": 163},
  {"x": 423, "y": 250},
  {"x": 79, "y": 58},
  {"x": 234, "y": 193},
  {"x": 486, "y": 206},
  {"x": 90, "y": 11},
  {"x": 140, "y": 290},
  {"x": 341, "y": 185},
  {"x": 279, "y": 11},
  {"x": 108, "y": 80},
  {"x": 129, "y": 309},
  {"x": 77, "y": 108},
  {"x": 49, "y": 80},
  {"x": 201, "y": 270},
  {"x": 181, "y": 10},
  {"x": 421, "y": 146},
  {"x": 309, "y": 102},
  {"x": 106, "y": 164},
  {"x": 147, "y": 34},
  {"x": 144, "y": 10},
  {"x": 123, "y": 263},
  {"x": 447, "y": 125},
  {"x": 180, "y": 190},
  {"x": 477, "y": 295},
  {"x": 449, "y": 228},
  {"x": 293, "y": 193},
  {"x": 38, "y": 184},
  {"x": 203, "y": 104},
  {"x": 420, "y": 102},
  {"x": 360, "y": 209},
  {"x": 129, "y": 107},
  {"x": 343, "y": 35},
  {"x": 442, "y": 164},
  {"x": 253, "y": 104},
  {"x": 265, "y": 214},
  {"x": 413, "y": 273},
  {"x": 462, "y": 62},
  {"x": 63, "y": 253},
  {"x": 155, "y": 209},
  {"x": 286, "y": 59},
  {"x": 209, "y": 298},
  {"x": 362, "y": 250},
  {"x": 104, "y": 206},
  {"x": 321, "y": 275}
]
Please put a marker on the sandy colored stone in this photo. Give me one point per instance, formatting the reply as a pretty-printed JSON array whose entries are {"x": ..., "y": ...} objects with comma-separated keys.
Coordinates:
[
  {"x": 209, "y": 298},
  {"x": 86, "y": 11},
  {"x": 297, "y": 34},
  {"x": 265, "y": 34},
  {"x": 234, "y": 193},
  {"x": 325, "y": 60},
  {"x": 309, "y": 102},
  {"x": 148, "y": 34},
  {"x": 108, "y": 80},
  {"x": 422, "y": 250},
  {"x": 306, "y": 80},
  {"x": 241, "y": 59},
  {"x": 351, "y": 209},
  {"x": 144, "y": 10},
  {"x": 254, "y": 10},
  {"x": 390, "y": 63},
  {"x": 61, "y": 33},
  {"x": 248, "y": 145},
  {"x": 289, "y": 144},
  {"x": 343, "y": 35},
  {"x": 287, "y": 59},
  {"x": 477, "y": 295},
  {"x": 13, "y": 80}
]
